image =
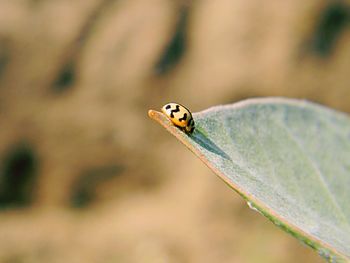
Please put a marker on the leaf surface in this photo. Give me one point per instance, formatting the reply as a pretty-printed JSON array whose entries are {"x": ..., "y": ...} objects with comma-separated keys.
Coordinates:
[{"x": 289, "y": 159}]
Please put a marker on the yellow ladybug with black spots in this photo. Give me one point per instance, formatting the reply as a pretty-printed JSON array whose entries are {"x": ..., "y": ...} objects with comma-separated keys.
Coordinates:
[{"x": 180, "y": 116}]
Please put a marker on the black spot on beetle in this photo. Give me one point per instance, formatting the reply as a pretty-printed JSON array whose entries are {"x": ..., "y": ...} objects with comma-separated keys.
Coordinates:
[
  {"x": 176, "y": 47},
  {"x": 177, "y": 109},
  {"x": 331, "y": 23},
  {"x": 183, "y": 117},
  {"x": 18, "y": 177},
  {"x": 167, "y": 107}
]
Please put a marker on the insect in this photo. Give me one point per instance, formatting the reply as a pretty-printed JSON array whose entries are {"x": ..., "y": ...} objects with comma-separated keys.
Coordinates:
[{"x": 180, "y": 116}]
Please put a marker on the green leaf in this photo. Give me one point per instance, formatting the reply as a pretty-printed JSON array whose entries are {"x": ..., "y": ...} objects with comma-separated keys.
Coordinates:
[{"x": 289, "y": 159}]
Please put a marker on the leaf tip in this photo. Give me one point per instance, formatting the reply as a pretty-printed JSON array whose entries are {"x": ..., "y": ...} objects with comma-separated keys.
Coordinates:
[
  {"x": 152, "y": 114},
  {"x": 157, "y": 116}
]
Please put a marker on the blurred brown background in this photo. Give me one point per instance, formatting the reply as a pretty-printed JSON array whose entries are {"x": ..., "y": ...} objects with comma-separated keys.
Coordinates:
[{"x": 86, "y": 176}]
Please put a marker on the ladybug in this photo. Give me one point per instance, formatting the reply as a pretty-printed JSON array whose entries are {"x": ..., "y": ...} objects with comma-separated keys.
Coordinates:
[{"x": 180, "y": 116}]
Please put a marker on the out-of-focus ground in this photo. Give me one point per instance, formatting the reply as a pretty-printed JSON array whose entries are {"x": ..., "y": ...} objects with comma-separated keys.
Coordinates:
[{"x": 86, "y": 176}]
